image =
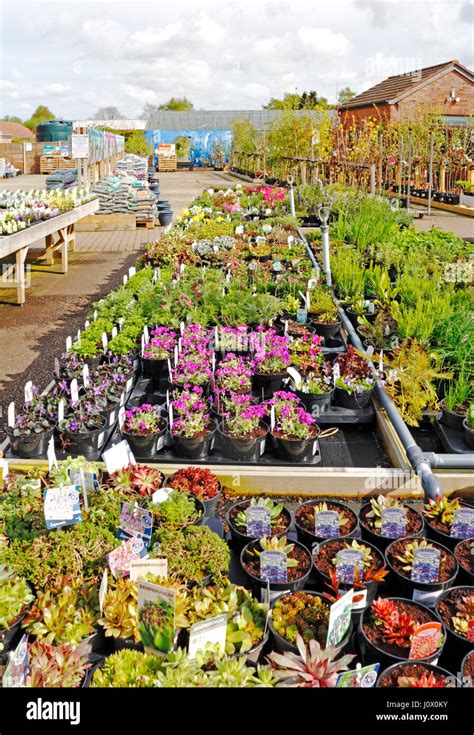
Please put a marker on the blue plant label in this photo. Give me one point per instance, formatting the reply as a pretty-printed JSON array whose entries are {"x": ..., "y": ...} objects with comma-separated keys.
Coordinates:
[
  {"x": 347, "y": 561},
  {"x": 426, "y": 563},
  {"x": 273, "y": 567},
  {"x": 91, "y": 481},
  {"x": 394, "y": 522},
  {"x": 61, "y": 506},
  {"x": 302, "y": 316},
  {"x": 363, "y": 677},
  {"x": 463, "y": 523},
  {"x": 326, "y": 524},
  {"x": 135, "y": 522},
  {"x": 18, "y": 668},
  {"x": 258, "y": 521}
]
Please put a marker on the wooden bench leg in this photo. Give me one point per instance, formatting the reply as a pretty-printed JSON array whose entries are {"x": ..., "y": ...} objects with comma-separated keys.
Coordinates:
[
  {"x": 49, "y": 256},
  {"x": 71, "y": 235},
  {"x": 63, "y": 242},
  {"x": 20, "y": 256}
]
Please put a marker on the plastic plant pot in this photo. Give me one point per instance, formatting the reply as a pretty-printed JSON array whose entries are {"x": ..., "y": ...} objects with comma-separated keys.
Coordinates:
[
  {"x": 296, "y": 450},
  {"x": 155, "y": 370},
  {"x": 451, "y": 419},
  {"x": 406, "y": 669},
  {"x": 240, "y": 539},
  {"x": 111, "y": 415},
  {"x": 282, "y": 645},
  {"x": 372, "y": 654},
  {"x": 209, "y": 504},
  {"x": 467, "y": 679},
  {"x": 269, "y": 384},
  {"x": 465, "y": 576},
  {"x": 308, "y": 538},
  {"x": 326, "y": 330},
  {"x": 352, "y": 401},
  {"x": 148, "y": 445},
  {"x": 426, "y": 593},
  {"x": 353, "y": 316},
  {"x": 242, "y": 448},
  {"x": 259, "y": 584},
  {"x": 84, "y": 442},
  {"x": 30, "y": 445},
  {"x": 165, "y": 218},
  {"x": 254, "y": 655},
  {"x": 194, "y": 447},
  {"x": 381, "y": 542},
  {"x": 445, "y": 539},
  {"x": 468, "y": 435},
  {"x": 119, "y": 644},
  {"x": 457, "y": 645},
  {"x": 315, "y": 403}
]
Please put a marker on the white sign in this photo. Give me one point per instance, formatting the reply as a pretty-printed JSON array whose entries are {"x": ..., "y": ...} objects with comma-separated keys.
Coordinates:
[
  {"x": 118, "y": 457},
  {"x": 79, "y": 145},
  {"x": 142, "y": 567},
  {"x": 209, "y": 631}
]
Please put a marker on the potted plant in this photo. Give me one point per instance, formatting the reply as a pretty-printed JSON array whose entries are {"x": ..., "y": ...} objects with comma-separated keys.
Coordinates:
[
  {"x": 127, "y": 669},
  {"x": 157, "y": 352},
  {"x": 280, "y": 520},
  {"x": 361, "y": 308},
  {"x": 455, "y": 405},
  {"x": 137, "y": 479},
  {"x": 82, "y": 430},
  {"x": 15, "y": 598},
  {"x": 306, "y": 353},
  {"x": 400, "y": 556},
  {"x": 61, "y": 666},
  {"x": 324, "y": 314},
  {"x": 467, "y": 670},
  {"x": 234, "y": 374},
  {"x": 193, "y": 430},
  {"x": 298, "y": 562},
  {"x": 315, "y": 390},
  {"x": 242, "y": 431},
  {"x": 371, "y": 518},
  {"x": 386, "y": 631},
  {"x": 468, "y": 425},
  {"x": 464, "y": 553},
  {"x": 192, "y": 371},
  {"x": 439, "y": 516},
  {"x": 379, "y": 334},
  {"x": 467, "y": 193},
  {"x": 310, "y": 531},
  {"x": 32, "y": 429},
  {"x": 355, "y": 384},
  {"x": 70, "y": 367},
  {"x": 455, "y": 607},
  {"x": 410, "y": 675},
  {"x": 295, "y": 433},
  {"x": 180, "y": 509},
  {"x": 196, "y": 555},
  {"x": 106, "y": 395},
  {"x": 313, "y": 667},
  {"x": 144, "y": 428},
  {"x": 271, "y": 358},
  {"x": 199, "y": 482}
]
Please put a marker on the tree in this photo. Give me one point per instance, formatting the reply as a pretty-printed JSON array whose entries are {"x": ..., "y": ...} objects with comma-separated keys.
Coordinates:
[
  {"x": 11, "y": 118},
  {"x": 178, "y": 104},
  {"x": 294, "y": 101},
  {"x": 345, "y": 95},
  {"x": 108, "y": 113},
  {"x": 148, "y": 111},
  {"x": 41, "y": 114}
]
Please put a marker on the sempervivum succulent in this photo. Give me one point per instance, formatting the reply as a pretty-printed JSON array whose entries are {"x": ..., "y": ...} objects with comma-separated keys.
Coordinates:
[
  {"x": 137, "y": 479},
  {"x": 314, "y": 667},
  {"x": 55, "y": 666}
]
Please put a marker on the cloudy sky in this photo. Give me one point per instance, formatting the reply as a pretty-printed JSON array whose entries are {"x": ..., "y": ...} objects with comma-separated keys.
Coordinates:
[{"x": 78, "y": 56}]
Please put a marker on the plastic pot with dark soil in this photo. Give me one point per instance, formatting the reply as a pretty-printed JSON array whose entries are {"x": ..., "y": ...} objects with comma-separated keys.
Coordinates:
[
  {"x": 440, "y": 531},
  {"x": 373, "y": 638},
  {"x": 326, "y": 330},
  {"x": 194, "y": 447},
  {"x": 468, "y": 435},
  {"x": 154, "y": 369},
  {"x": 315, "y": 403},
  {"x": 29, "y": 445},
  {"x": 111, "y": 414},
  {"x": 200, "y": 482},
  {"x": 453, "y": 419},
  {"x": 296, "y": 329},
  {"x": 426, "y": 593},
  {"x": 297, "y": 575},
  {"x": 455, "y": 608},
  {"x": 236, "y": 518},
  {"x": 467, "y": 670},
  {"x": 305, "y": 521},
  {"x": 353, "y": 401},
  {"x": 146, "y": 445},
  {"x": 353, "y": 316},
  {"x": 304, "y": 612},
  {"x": 415, "y": 525},
  {"x": 83, "y": 442},
  {"x": 464, "y": 553},
  {"x": 243, "y": 448},
  {"x": 409, "y": 675},
  {"x": 324, "y": 563},
  {"x": 268, "y": 383},
  {"x": 296, "y": 450}
]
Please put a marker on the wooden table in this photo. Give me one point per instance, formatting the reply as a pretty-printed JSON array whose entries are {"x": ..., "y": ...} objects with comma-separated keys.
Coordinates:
[{"x": 59, "y": 235}]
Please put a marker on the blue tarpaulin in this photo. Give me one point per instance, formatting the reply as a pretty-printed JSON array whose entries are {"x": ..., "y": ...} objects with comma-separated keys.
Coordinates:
[{"x": 202, "y": 142}]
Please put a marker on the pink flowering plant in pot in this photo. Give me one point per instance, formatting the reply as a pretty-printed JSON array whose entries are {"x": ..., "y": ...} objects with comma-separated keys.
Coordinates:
[
  {"x": 235, "y": 374},
  {"x": 196, "y": 339},
  {"x": 242, "y": 430},
  {"x": 193, "y": 430},
  {"x": 161, "y": 345},
  {"x": 191, "y": 371},
  {"x": 271, "y": 358},
  {"x": 144, "y": 428},
  {"x": 233, "y": 339},
  {"x": 306, "y": 352},
  {"x": 295, "y": 433}
]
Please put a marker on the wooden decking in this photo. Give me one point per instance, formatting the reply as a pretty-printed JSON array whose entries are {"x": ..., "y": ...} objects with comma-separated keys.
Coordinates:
[{"x": 116, "y": 241}]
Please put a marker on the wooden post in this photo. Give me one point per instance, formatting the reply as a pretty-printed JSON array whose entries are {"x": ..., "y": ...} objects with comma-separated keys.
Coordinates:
[
  {"x": 442, "y": 178},
  {"x": 20, "y": 257}
]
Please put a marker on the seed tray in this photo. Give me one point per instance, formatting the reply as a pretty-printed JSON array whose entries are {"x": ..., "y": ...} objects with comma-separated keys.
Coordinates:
[{"x": 452, "y": 440}]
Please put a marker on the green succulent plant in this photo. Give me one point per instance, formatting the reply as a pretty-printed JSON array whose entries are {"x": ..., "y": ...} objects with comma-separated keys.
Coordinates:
[
  {"x": 409, "y": 549},
  {"x": 126, "y": 669},
  {"x": 60, "y": 666},
  {"x": 367, "y": 552},
  {"x": 275, "y": 543},
  {"x": 374, "y": 516},
  {"x": 193, "y": 552},
  {"x": 15, "y": 595},
  {"x": 301, "y": 614},
  {"x": 464, "y": 614},
  {"x": 275, "y": 509},
  {"x": 179, "y": 509},
  {"x": 442, "y": 509}
]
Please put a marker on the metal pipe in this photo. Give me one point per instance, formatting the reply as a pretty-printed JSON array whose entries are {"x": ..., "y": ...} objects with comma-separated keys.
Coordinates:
[
  {"x": 313, "y": 260},
  {"x": 451, "y": 461},
  {"x": 292, "y": 196}
]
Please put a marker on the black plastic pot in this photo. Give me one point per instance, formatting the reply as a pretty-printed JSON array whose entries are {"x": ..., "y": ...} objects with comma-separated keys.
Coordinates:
[
  {"x": 309, "y": 539},
  {"x": 239, "y": 539},
  {"x": 154, "y": 369},
  {"x": 464, "y": 576},
  {"x": 84, "y": 442},
  {"x": 468, "y": 435},
  {"x": 194, "y": 447},
  {"x": 353, "y": 401},
  {"x": 165, "y": 218},
  {"x": 209, "y": 505},
  {"x": 406, "y": 587},
  {"x": 430, "y": 667},
  {"x": 457, "y": 646},
  {"x": 376, "y": 539},
  {"x": 296, "y": 450},
  {"x": 451, "y": 419},
  {"x": 111, "y": 415},
  {"x": 315, "y": 404},
  {"x": 353, "y": 316},
  {"x": 326, "y": 330},
  {"x": 268, "y": 383},
  {"x": 149, "y": 445},
  {"x": 281, "y": 645},
  {"x": 468, "y": 685},
  {"x": 120, "y": 644},
  {"x": 372, "y": 654},
  {"x": 241, "y": 448},
  {"x": 29, "y": 445},
  {"x": 9, "y": 637},
  {"x": 444, "y": 539},
  {"x": 260, "y": 584}
]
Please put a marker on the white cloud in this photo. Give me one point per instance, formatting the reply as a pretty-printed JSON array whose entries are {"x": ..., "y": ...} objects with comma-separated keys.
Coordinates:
[{"x": 324, "y": 41}]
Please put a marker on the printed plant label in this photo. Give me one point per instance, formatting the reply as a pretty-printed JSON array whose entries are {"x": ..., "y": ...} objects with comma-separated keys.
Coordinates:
[
  {"x": 258, "y": 521},
  {"x": 425, "y": 567},
  {"x": 363, "y": 677},
  {"x": 426, "y": 640},
  {"x": 394, "y": 522},
  {"x": 347, "y": 561},
  {"x": 156, "y": 616},
  {"x": 302, "y": 316},
  {"x": 340, "y": 619},
  {"x": 91, "y": 481},
  {"x": 118, "y": 457},
  {"x": 463, "y": 523},
  {"x": 17, "y": 670},
  {"x": 157, "y": 567},
  {"x": 135, "y": 522},
  {"x": 119, "y": 559},
  {"x": 61, "y": 506},
  {"x": 212, "y": 631},
  {"x": 326, "y": 524},
  {"x": 273, "y": 567}
]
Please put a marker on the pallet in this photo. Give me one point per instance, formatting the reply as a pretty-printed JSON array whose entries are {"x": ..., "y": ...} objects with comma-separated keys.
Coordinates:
[
  {"x": 167, "y": 163},
  {"x": 145, "y": 224},
  {"x": 107, "y": 223},
  {"x": 49, "y": 164}
]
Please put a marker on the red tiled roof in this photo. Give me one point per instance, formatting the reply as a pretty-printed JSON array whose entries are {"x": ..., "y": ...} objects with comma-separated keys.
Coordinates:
[
  {"x": 16, "y": 130},
  {"x": 392, "y": 88}
]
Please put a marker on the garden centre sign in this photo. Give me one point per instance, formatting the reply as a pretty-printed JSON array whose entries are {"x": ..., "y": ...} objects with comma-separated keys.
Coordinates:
[{"x": 79, "y": 145}]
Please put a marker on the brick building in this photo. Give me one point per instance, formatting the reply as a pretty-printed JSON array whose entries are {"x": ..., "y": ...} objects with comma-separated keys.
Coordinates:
[{"x": 448, "y": 87}]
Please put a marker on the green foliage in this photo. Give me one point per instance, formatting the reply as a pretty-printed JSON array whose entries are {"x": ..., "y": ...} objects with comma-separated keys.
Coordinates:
[
  {"x": 179, "y": 104},
  {"x": 15, "y": 595},
  {"x": 179, "y": 509},
  {"x": 41, "y": 114},
  {"x": 193, "y": 553},
  {"x": 64, "y": 613},
  {"x": 60, "y": 666}
]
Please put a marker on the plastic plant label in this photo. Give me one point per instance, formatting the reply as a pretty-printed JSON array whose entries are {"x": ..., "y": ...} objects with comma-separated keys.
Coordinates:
[
  {"x": 258, "y": 521},
  {"x": 340, "y": 619},
  {"x": 124, "y": 279},
  {"x": 86, "y": 323},
  {"x": 426, "y": 640},
  {"x": 326, "y": 524},
  {"x": 336, "y": 372},
  {"x": 90, "y": 479},
  {"x": 3, "y": 471},
  {"x": 131, "y": 271},
  {"x": 371, "y": 307},
  {"x": 129, "y": 384},
  {"x": 17, "y": 670},
  {"x": 74, "y": 391},
  {"x": 119, "y": 559},
  {"x": 68, "y": 343},
  {"x": 114, "y": 332},
  {"x": 146, "y": 334},
  {"x": 61, "y": 506},
  {"x": 103, "y": 590},
  {"x": 156, "y": 616},
  {"x": 86, "y": 375},
  {"x": 273, "y": 567},
  {"x": 212, "y": 631},
  {"x": 266, "y": 593},
  {"x": 95, "y": 315},
  {"x": 100, "y": 439},
  {"x": 121, "y": 416},
  {"x": 105, "y": 341},
  {"x": 347, "y": 561},
  {"x": 294, "y": 374},
  {"x": 51, "y": 454},
  {"x": 11, "y": 415},
  {"x": 28, "y": 391},
  {"x": 135, "y": 522},
  {"x": 394, "y": 522},
  {"x": 118, "y": 457},
  {"x": 157, "y": 567},
  {"x": 426, "y": 598},
  {"x": 302, "y": 316},
  {"x": 463, "y": 523},
  {"x": 290, "y": 240},
  {"x": 161, "y": 443},
  {"x": 239, "y": 230},
  {"x": 425, "y": 567},
  {"x": 260, "y": 240},
  {"x": 262, "y": 446},
  {"x": 159, "y": 496},
  {"x": 112, "y": 419},
  {"x": 363, "y": 677},
  {"x": 272, "y": 418}
]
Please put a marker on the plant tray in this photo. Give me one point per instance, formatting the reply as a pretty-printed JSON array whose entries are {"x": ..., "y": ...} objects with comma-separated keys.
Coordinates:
[{"x": 452, "y": 440}]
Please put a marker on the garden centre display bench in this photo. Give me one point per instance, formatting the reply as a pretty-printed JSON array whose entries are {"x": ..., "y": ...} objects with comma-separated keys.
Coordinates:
[{"x": 59, "y": 236}]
